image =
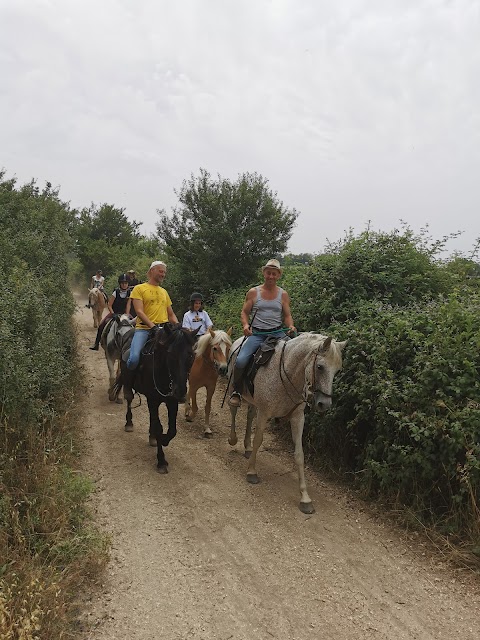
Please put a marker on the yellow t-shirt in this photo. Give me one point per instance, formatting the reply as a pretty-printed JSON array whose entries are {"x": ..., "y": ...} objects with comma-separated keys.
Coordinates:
[{"x": 155, "y": 302}]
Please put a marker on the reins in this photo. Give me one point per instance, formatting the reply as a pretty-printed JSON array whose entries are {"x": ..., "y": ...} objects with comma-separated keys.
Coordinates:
[{"x": 306, "y": 395}]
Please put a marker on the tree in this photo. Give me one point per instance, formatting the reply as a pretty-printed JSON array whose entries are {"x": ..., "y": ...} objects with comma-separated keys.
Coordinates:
[
  {"x": 104, "y": 237},
  {"x": 222, "y": 232}
]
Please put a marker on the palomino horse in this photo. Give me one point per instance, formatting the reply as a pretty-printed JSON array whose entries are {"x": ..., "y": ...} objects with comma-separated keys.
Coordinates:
[
  {"x": 161, "y": 377},
  {"x": 96, "y": 300},
  {"x": 211, "y": 360},
  {"x": 118, "y": 333},
  {"x": 300, "y": 371}
]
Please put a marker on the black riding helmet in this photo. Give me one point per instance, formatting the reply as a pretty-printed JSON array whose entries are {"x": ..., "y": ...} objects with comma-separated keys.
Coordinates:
[
  {"x": 193, "y": 298},
  {"x": 122, "y": 278}
]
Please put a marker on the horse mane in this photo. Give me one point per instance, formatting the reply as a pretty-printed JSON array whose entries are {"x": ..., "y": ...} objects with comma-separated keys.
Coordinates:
[{"x": 208, "y": 340}]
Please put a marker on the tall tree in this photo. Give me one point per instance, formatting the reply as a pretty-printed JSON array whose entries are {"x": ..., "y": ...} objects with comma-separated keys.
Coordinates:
[
  {"x": 222, "y": 232},
  {"x": 102, "y": 235}
]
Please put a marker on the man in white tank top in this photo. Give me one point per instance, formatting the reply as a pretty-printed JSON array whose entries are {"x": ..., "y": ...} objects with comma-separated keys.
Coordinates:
[{"x": 269, "y": 306}]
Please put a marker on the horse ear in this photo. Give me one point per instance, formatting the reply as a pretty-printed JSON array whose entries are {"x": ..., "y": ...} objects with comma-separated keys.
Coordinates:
[
  {"x": 167, "y": 327},
  {"x": 195, "y": 331},
  {"x": 342, "y": 345},
  {"x": 326, "y": 344},
  {"x": 211, "y": 332},
  {"x": 229, "y": 332}
]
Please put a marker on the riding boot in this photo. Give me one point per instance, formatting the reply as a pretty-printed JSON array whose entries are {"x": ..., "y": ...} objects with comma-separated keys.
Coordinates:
[{"x": 236, "y": 396}]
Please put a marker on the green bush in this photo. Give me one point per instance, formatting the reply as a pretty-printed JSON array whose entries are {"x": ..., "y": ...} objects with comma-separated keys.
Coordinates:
[{"x": 406, "y": 418}]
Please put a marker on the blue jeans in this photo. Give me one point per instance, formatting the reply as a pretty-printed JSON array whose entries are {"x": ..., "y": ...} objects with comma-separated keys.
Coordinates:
[
  {"x": 139, "y": 340},
  {"x": 250, "y": 345}
]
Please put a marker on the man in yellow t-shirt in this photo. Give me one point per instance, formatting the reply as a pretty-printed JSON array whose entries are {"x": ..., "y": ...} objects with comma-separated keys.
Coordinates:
[{"x": 153, "y": 307}]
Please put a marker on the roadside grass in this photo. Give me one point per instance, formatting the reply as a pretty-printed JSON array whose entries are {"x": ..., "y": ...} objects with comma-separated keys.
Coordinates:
[{"x": 50, "y": 548}]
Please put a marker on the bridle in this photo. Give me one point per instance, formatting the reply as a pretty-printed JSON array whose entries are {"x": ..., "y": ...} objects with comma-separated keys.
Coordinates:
[{"x": 307, "y": 393}]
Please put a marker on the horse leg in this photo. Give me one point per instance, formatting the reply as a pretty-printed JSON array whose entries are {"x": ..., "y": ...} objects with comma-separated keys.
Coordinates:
[
  {"x": 94, "y": 313},
  {"x": 191, "y": 407},
  {"x": 111, "y": 377},
  {"x": 252, "y": 476},
  {"x": 128, "y": 395},
  {"x": 155, "y": 431},
  {"x": 172, "y": 408},
  {"x": 297, "y": 420},
  {"x": 247, "y": 442},
  {"x": 208, "y": 407},
  {"x": 117, "y": 399},
  {"x": 232, "y": 438}
]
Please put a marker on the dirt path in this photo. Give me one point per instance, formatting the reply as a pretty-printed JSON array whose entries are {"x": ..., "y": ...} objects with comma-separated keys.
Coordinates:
[{"x": 201, "y": 554}]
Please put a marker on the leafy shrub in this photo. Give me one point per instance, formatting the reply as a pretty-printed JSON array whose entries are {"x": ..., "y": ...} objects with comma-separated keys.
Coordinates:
[{"x": 407, "y": 412}]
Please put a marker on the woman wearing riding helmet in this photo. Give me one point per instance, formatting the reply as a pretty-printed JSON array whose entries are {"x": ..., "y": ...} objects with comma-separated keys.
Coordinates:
[
  {"x": 197, "y": 316},
  {"x": 118, "y": 303}
]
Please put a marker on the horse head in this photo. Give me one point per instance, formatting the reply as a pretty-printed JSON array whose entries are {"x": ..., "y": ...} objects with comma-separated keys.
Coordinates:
[
  {"x": 176, "y": 345},
  {"x": 220, "y": 343},
  {"x": 326, "y": 362}
]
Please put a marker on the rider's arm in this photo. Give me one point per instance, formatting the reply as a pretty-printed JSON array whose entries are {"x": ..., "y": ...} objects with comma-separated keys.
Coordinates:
[
  {"x": 110, "y": 303},
  {"x": 171, "y": 316},
  {"x": 246, "y": 311},
  {"x": 287, "y": 314},
  {"x": 128, "y": 307},
  {"x": 138, "y": 306}
]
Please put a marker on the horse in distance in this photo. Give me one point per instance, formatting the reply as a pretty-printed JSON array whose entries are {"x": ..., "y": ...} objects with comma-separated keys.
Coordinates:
[
  {"x": 300, "y": 372},
  {"x": 211, "y": 361},
  {"x": 97, "y": 303}
]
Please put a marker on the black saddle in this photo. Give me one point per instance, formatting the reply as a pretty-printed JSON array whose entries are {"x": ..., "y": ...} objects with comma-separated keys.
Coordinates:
[{"x": 260, "y": 358}]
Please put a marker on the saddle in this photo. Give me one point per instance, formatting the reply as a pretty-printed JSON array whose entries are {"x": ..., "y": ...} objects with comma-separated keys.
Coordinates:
[{"x": 261, "y": 357}]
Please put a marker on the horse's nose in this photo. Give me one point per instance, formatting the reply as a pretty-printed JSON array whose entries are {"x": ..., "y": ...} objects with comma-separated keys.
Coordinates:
[
  {"x": 222, "y": 370},
  {"x": 321, "y": 402}
]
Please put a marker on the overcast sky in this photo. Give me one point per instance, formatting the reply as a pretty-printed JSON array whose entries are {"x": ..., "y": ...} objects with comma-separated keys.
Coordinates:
[{"x": 354, "y": 110}]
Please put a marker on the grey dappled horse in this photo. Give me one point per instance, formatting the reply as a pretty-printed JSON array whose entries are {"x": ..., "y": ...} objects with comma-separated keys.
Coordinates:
[
  {"x": 300, "y": 371},
  {"x": 118, "y": 332}
]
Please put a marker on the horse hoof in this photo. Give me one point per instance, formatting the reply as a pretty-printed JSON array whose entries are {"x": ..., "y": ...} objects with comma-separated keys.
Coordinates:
[
  {"x": 208, "y": 434},
  {"x": 307, "y": 507},
  {"x": 152, "y": 441},
  {"x": 233, "y": 441},
  {"x": 247, "y": 454},
  {"x": 163, "y": 469},
  {"x": 252, "y": 478},
  {"x": 129, "y": 427},
  {"x": 119, "y": 400},
  {"x": 189, "y": 418}
]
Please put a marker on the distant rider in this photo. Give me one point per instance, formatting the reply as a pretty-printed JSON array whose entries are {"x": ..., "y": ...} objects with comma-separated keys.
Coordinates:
[
  {"x": 118, "y": 303},
  {"x": 197, "y": 316}
]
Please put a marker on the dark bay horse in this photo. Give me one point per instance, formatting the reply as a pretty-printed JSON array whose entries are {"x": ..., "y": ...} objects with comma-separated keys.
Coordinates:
[
  {"x": 300, "y": 372},
  {"x": 161, "y": 377}
]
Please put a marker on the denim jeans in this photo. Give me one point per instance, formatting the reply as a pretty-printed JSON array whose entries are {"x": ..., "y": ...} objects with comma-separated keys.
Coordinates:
[
  {"x": 249, "y": 347},
  {"x": 139, "y": 340}
]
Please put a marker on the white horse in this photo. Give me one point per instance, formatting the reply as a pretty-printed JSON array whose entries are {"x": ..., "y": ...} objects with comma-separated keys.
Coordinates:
[
  {"x": 117, "y": 332},
  {"x": 300, "y": 371},
  {"x": 97, "y": 302},
  {"x": 211, "y": 360}
]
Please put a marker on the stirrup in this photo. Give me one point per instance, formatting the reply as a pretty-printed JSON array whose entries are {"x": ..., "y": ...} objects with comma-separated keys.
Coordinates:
[{"x": 235, "y": 399}]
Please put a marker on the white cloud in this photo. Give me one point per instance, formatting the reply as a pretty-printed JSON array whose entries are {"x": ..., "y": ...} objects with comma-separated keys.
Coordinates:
[{"x": 354, "y": 111}]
